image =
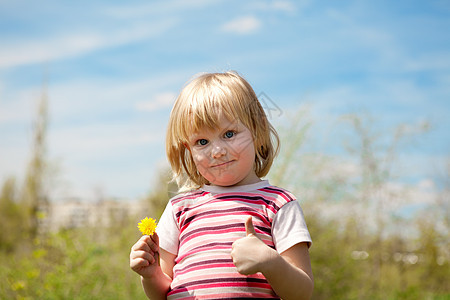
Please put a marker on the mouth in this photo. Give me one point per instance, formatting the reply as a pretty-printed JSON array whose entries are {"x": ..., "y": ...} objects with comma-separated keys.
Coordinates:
[{"x": 222, "y": 164}]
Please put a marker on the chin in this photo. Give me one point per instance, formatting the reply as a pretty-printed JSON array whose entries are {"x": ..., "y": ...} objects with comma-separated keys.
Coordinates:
[{"x": 225, "y": 182}]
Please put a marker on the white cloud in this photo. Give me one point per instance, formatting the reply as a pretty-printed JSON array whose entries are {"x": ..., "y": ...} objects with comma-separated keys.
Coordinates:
[
  {"x": 100, "y": 97},
  {"x": 426, "y": 184},
  {"x": 156, "y": 8},
  {"x": 43, "y": 49},
  {"x": 161, "y": 100},
  {"x": 243, "y": 25},
  {"x": 82, "y": 133},
  {"x": 19, "y": 106},
  {"x": 13, "y": 159},
  {"x": 279, "y": 5},
  {"x": 429, "y": 62},
  {"x": 99, "y": 140},
  {"x": 117, "y": 157},
  {"x": 286, "y": 6}
]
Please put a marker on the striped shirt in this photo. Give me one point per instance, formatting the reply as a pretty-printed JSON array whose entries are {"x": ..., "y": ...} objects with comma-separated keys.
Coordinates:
[{"x": 200, "y": 227}]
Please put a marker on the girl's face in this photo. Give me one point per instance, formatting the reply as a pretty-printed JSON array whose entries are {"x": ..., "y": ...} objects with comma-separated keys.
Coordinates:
[{"x": 224, "y": 156}]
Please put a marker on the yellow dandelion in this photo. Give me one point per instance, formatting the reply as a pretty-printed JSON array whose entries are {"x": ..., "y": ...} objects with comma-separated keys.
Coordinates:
[{"x": 147, "y": 226}]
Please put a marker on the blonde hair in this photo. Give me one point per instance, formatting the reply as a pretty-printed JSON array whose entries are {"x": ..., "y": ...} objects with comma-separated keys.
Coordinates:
[{"x": 199, "y": 105}]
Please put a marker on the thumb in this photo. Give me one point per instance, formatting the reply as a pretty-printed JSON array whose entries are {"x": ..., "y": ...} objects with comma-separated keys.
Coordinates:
[{"x": 249, "y": 229}]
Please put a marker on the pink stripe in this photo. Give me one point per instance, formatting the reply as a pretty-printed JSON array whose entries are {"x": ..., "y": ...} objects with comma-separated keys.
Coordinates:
[
  {"x": 198, "y": 210},
  {"x": 224, "y": 284},
  {"x": 230, "y": 295},
  {"x": 288, "y": 197},
  {"x": 181, "y": 258},
  {"x": 205, "y": 267},
  {"x": 254, "y": 202},
  {"x": 211, "y": 232},
  {"x": 258, "y": 218},
  {"x": 220, "y": 274},
  {"x": 233, "y": 284},
  {"x": 188, "y": 196},
  {"x": 235, "y": 295},
  {"x": 236, "y": 198},
  {"x": 236, "y": 229}
]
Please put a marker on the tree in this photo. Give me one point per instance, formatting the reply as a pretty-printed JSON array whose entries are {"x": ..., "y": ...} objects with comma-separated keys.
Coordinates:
[
  {"x": 164, "y": 189},
  {"x": 11, "y": 216},
  {"x": 35, "y": 199}
]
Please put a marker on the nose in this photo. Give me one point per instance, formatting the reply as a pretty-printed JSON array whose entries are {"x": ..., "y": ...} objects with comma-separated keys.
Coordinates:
[{"x": 218, "y": 150}]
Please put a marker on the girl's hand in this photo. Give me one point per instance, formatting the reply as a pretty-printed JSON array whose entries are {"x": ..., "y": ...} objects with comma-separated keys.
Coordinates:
[
  {"x": 250, "y": 254},
  {"x": 144, "y": 256}
]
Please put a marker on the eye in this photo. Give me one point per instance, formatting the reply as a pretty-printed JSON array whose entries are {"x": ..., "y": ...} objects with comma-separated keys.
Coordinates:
[
  {"x": 229, "y": 134},
  {"x": 202, "y": 142}
]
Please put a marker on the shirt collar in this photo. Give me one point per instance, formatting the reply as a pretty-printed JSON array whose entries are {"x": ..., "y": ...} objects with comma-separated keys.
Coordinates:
[{"x": 215, "y": 189}]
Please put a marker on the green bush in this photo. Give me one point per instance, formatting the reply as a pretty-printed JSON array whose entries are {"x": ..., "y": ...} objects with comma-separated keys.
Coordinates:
[{"x": 86, "y": 263}]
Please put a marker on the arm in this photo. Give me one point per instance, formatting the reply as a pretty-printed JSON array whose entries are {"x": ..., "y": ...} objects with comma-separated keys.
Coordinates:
[
  {"x": 156, "y": 276},
  {"x": 295, "y": 264},
  {"x": 251, "y": 255}
]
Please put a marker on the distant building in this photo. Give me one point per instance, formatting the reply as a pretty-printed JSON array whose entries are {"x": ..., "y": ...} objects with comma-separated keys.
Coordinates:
[{"x": 75, "y": 213}]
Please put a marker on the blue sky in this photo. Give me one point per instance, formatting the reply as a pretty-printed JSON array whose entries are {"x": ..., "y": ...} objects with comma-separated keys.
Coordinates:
[{"x": 114, "y": 69}]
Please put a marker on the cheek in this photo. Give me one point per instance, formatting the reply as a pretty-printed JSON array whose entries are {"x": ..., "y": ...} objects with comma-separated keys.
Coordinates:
[
  {"x": 200, "y": 159},
  {"x": 201, "y": 162},
  {"x": 250, "y": 157},
  {"x": 243, "y": 148},
  {"x": 250, "y": 154}
]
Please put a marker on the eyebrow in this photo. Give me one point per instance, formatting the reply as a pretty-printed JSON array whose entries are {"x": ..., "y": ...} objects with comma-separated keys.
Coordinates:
[{"x": 231, "y": 125}]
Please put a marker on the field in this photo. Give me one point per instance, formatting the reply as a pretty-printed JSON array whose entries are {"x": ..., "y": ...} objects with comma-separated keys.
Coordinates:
[{"x": 364, "y": 253}]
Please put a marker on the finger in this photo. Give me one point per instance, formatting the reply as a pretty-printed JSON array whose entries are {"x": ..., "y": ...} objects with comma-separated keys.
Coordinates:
[
  {"x": 143, "y": 254},
  {"x": 138, "y": 263},
  {"x": 155, "y": 242},
  {"x": 150, "y": 245},
  {"x": 145, "y": 239},
  {"x": 141, "y": 245},
  {"x": 155, "y": 238},
  {"x": 249, "y": 229}
]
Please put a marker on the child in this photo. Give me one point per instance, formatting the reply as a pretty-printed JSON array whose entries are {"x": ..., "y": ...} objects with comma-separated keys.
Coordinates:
[{"x": 230, "y": 234}]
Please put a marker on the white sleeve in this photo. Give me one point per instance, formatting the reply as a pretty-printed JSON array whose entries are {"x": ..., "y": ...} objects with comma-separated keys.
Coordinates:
[
  {"x": 289, "y": 227},
  {"x": 168, "y": 231}
]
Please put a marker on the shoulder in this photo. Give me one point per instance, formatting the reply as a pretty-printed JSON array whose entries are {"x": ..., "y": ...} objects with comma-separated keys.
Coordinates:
[
  {"x": 186, "y": 197},
  {"x": 277, "y": 194}
]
